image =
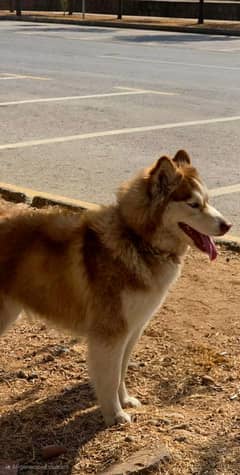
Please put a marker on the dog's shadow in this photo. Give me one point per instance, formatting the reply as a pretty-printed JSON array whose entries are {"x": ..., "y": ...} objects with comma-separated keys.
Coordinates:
[{"x": 68, "y": 419}]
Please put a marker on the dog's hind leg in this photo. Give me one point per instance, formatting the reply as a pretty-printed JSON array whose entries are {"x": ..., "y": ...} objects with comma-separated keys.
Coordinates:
[
  {"x": 105, "y": 363},
  {"x": 125, "y": 399},
  {"x": 9, "y": 312}
]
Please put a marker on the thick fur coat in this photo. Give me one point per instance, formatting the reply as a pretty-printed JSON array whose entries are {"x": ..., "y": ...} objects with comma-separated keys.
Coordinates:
[{"x": 103, "y": 273}]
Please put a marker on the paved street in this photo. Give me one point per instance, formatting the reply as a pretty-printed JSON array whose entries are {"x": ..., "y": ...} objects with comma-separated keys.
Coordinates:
[{"x": 82, "y": 108}]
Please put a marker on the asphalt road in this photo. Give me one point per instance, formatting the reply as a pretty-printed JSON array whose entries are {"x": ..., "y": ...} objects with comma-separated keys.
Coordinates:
[{"x": 83, "y": 108}]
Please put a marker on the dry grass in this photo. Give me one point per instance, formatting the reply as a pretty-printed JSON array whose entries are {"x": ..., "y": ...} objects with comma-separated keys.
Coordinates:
[{"x": 185, "y": 370}]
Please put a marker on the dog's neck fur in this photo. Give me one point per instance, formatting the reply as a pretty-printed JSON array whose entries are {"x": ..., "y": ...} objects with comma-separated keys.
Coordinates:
[{"x": 122, "y": 238}]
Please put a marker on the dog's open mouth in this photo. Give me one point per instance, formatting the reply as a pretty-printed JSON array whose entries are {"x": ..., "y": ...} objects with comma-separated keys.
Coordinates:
[{"x": 202, "y": 241}]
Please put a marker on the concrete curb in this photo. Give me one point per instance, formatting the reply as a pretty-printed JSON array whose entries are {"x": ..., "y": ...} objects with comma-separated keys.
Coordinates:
[
  {"x": 132, "y": 25},
  {"x": 39, "y": 199}
]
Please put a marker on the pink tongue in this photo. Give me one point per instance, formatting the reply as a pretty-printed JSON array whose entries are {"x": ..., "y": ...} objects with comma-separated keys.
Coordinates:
[
  {"x": 209, "y": 247},
  {"x": 202, "y": 241}
]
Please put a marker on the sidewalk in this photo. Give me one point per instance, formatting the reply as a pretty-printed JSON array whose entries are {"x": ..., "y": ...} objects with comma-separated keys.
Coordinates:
[{"x": 148, "y": 23}]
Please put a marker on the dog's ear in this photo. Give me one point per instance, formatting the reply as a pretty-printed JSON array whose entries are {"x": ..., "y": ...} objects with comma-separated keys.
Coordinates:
[
  {"x": 182, "y": 158},
  {"x": 164, "y": 177}
]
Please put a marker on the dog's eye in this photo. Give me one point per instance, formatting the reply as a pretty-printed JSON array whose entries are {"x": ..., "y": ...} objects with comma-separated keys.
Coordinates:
[{"x": 194, "y": 205}]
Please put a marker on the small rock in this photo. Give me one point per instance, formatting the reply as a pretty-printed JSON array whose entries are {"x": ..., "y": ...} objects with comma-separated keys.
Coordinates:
[
  {"x": 48, "y": 358},
  {"x": 141, "y": 461},
  {"x": 133, "y": 365},
  {"x": 176, "y": 415},
  {"x": 61, "y": 350},
  {"x": 21, "y": 374},
  {"x": 180, "y": 438},
  {"x": 207, "y": 380},
  {"x": 32, "y": 376},
  {"x": 129, "y": 438},
  {"x": 81, "y": 360},
  {"x": 164, "y": 420},
  {"x": 154, "y": 422},
  {"x": 234, "y": 396},
  {"x": 50, "y": 451},
  {"x": 180, "y": 426}
]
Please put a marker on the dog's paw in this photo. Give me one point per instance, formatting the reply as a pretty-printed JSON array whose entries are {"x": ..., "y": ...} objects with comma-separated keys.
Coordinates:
[
  {"x": 119, "y": 418},
  {"x": 131, "y": 401}
]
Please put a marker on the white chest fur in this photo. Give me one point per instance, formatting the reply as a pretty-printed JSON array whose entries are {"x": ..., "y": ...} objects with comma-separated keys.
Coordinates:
[{"x": 140, "y": 306}]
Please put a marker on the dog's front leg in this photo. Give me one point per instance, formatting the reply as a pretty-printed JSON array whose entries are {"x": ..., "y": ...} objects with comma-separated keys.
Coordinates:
[
  {"x": 125, "y": 399},
  {"x": 105, "y": 363}
]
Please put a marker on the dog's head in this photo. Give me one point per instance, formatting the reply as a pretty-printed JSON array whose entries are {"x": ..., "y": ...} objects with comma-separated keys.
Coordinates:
[{"x": 170, "y": 196}]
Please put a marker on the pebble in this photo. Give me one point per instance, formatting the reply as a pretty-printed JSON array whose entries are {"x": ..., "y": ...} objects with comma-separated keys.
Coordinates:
[
  {"x": 129, "y": 438},
  {"x": 48, "y": 358},
  {"x": 207, "y": 380},
  {"x": 181, "y": 438},
  {"x": 32, "y": 376},
  {"x": 176, "y": 415},
  {"x": 133, "y": 365},
  {"x": 159, "y": 422},
  {"x": 61, "y": 350},
  {"x": 51, "y": 451},
  {"x": 234, "y": 396},
  {"x": 21, "y": 374}
]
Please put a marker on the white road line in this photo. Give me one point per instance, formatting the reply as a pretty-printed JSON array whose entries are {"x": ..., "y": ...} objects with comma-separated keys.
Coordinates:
[
  {"x": 179, "y": 63},
  {"x": 225, "y": 50},
  {"x": 36, "y": 78},
  {"x": 21, "y": 76},
  {"x": 128, "y": 92},
  {"x": 225, "y": 190},
  {"x": 148, "y": 91},
  {"x": 8, "y": 74},
  {"x": 109, "y": 133}
]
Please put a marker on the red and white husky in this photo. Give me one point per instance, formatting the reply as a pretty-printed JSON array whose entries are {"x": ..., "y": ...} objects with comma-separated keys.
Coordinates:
[{"x": 103, "y": 273}]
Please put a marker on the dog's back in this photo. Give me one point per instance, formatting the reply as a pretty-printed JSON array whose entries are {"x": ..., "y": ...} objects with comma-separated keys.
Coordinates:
[{"x": 35, "y": 252}]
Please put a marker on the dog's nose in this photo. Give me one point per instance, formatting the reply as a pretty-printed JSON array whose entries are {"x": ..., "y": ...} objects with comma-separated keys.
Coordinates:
[{"x": 224, "y": 227}]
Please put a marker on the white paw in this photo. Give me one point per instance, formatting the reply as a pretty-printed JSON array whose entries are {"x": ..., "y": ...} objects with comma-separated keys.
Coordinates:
[
  {"x": 131, "y": 401},
  {"x": 119, "y": 418}
]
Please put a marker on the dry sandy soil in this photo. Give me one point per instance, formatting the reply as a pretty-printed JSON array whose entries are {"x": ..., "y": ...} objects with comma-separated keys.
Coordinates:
[{"x": 185, "y": 370}]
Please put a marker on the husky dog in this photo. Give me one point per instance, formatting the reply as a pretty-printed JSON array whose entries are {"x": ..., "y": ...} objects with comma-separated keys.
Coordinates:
[{"x": 104, "y": 272}]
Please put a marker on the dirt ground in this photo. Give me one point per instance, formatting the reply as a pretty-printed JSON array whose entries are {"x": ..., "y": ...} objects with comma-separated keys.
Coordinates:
[{"x": 185, "y": 370}]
